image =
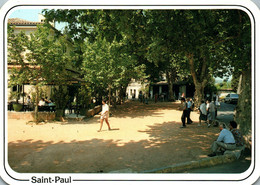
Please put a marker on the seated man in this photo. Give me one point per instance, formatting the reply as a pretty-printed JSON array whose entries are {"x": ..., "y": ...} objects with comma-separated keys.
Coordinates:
[
  {"x": 236, "y": 133},
  {"x": 225, "y": 141},
  {"x": 41, "y": 102}
]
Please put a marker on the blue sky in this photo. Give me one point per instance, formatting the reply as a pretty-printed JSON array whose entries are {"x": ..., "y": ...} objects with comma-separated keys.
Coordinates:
[
  {"x": 31, "y": 15},
  {"x": 27, "y": 14}
]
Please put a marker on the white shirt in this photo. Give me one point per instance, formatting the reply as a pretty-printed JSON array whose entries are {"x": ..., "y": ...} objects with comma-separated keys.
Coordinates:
[
  {"x": 105, "y": 108},
  {"x": 226, "y": 136},
  {"x": 211, "y": 107},
  {"x": 41, "y": 103},
  {"x": 203, "y": 109}
]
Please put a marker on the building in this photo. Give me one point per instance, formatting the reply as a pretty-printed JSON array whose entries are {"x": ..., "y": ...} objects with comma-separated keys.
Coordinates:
[
  {"x": 161, "y": 89},
  {"x": 136, "y": 87},
  {"x": 28, "y": 27}
]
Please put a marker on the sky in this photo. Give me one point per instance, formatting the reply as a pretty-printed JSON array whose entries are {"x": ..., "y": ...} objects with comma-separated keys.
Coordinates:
[
  {"x": 27, "y": 14},
  {"x": 31, "y": 15}
]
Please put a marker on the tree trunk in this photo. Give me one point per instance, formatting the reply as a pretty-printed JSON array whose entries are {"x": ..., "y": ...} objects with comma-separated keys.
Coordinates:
[
  {"x": 122, "y": 91},
  {"x": 200, "y": 80},
  {"x": 170, "y": 79},
  {"x": 109, "y": 94},
  {"x": 199, "y": 94},
  {"x": 36, "y": 111},
  {"x": 239, "y": 84},
  {"x": 243, "y": 110},
  {"x": 23, "y": 95},
  {"x": 171, "y": 95}
]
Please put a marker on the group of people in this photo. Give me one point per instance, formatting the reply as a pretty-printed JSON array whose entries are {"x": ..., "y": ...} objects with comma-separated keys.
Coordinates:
[
  {"x": 208, "y": 112},
  {"x": 142, "y": 98},
  {"x": 228, "y": 139},
  {"x": 45, "y": 102}
]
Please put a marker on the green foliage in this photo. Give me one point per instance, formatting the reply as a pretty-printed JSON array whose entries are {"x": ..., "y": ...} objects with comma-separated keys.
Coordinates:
[
  {"x": 61, "y": 98},
  {"x": 223, "y": 85},
  {"x": 211, "y": 87},
  {"x": 47, "y": 57},
  {"x": 44, "y": 62},
  {"x": 84, "y": 96},
  {"x": 200, "y": 43},
  {"x": 15, "y": 95},
  {"x": 105, "y": 66},
  {"x": 16, "y": 51}
]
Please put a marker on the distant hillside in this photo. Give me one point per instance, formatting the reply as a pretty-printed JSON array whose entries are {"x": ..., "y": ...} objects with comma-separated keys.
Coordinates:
[{"x": 220, "y": 80}]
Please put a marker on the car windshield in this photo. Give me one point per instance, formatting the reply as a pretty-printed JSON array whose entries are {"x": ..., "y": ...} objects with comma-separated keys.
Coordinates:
[{"x": 234, "y": 95}]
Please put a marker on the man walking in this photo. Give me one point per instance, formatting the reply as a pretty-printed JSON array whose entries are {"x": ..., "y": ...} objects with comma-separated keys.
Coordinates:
[{"x": 184, "y": 109}]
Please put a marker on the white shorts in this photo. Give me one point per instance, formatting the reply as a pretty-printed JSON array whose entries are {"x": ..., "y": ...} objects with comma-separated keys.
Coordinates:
[{"x": 104, "y": 116}]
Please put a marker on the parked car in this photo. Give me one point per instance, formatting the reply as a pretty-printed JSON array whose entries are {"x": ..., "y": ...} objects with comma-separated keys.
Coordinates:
[
  {"x": 231, "y": 98},
  {"x": 222, "y": 96}
]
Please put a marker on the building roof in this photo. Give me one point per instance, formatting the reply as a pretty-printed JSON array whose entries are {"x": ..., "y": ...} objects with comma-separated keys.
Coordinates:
[{"x": 18, "y": 21}]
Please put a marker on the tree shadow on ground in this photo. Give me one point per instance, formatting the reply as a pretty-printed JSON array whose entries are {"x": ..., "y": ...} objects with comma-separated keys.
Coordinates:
[{"x": 167, "y": 145}]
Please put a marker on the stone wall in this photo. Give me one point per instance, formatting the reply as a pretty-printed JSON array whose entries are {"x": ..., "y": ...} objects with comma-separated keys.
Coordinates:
[{"x": 29, "y": 116}]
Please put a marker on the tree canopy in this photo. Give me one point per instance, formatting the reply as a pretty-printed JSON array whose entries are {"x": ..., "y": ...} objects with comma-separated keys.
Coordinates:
[
  {"x": 201, "y": 42},
  {"x": 112, "y": 46}
]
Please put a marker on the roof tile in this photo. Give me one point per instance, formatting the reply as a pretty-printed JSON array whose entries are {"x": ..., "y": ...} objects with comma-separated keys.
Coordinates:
[{"x": 18, "y": 21}]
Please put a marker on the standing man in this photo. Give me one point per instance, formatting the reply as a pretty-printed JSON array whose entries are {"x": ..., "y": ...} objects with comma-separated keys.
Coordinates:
[
  {"x": 203, "y": 112},
  {"x": 189, "y": 106},
  {"x": 104, "y": 115},
  {"x": 211, "y": 112},
  {"x": 225, "y": 141},
  {"x": 184, "y": 109}
]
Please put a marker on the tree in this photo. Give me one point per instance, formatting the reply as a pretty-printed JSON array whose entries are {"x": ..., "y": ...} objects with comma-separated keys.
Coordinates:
[
  {"x": 240, "y": 54},
  {"x": 162, "y": 50},
  {"x": 16, "y": 52},
  {"x": 106, "y": 68},
  {"x": 213, "y": 43},
  {"x": 42, "y": 59}
]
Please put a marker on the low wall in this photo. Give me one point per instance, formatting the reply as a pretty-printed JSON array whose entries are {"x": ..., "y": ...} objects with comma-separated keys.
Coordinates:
[
  {"x": 93, "y": 112},
  {"x": 97, "y": 109},
  {"x": 228, "y": 157},
  {"x": 29, "y": 116}
]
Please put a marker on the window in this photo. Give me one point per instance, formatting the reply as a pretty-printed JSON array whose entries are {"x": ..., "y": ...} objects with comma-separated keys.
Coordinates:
[{"x": 17, "y": 88}]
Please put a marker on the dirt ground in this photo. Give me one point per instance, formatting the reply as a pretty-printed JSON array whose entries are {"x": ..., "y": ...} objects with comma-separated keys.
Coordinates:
[{"x": 144, "y": 137}]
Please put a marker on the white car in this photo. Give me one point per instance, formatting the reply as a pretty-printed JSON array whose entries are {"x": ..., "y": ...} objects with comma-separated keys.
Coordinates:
[{"x": 231, "y": 98}]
